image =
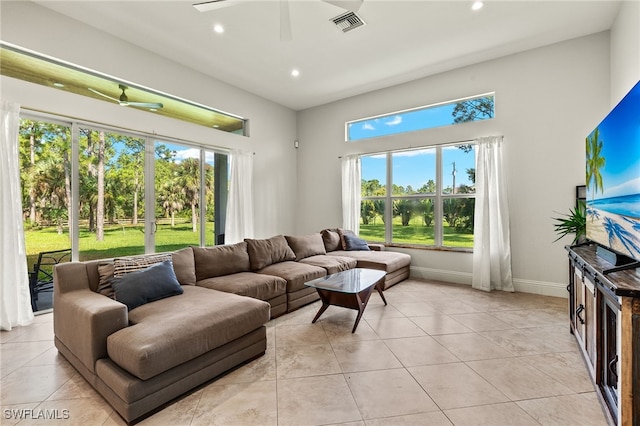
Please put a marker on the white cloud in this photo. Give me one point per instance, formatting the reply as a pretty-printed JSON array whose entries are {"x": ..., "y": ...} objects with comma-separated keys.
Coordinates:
[
  {"x": 394, "y": 121},
  {"x": 629, "y": 187},
  {"x": 368, "y": 126},
  {"x": 188, "y": 153}
]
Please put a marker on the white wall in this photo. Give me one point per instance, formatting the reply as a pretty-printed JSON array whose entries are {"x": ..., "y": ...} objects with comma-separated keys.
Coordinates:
[
  {"x": 625, "y": 50},
  {"x": 547, "y": 101},
  {"x": 272, "y": 126}
]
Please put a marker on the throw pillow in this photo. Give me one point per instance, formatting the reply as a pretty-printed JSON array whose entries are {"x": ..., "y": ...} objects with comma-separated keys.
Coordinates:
[
  {"x": 354, "y": 243},
  {"x": 105, "y": 271},
  {"x": 331, "y": 240},
  {"x": 125, "y": 265},
  {"x": 342, "y": 233},
  {"x": 263, "y": 253},
  {"x": 220, "y": 260},
  {"x": 153, "y": 283},
  {"x": 307, "y": 245}
]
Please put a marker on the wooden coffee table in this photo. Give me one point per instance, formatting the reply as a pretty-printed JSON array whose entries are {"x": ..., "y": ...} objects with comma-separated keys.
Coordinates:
[{"x": 349, "y": 289}]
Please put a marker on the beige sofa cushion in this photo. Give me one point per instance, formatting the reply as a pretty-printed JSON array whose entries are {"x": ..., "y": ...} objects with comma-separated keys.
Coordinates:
[
  {"x": 193, "y": 323},
  {"x": 331, "y": 240},
  {"x": 388, "y": 261},
  {"x": 296, "y": 273},
  {"x": 184, "y": 266},
  {"x": 333, "y": 264},
  {"x": 267, "y": 252},
  {"x": 258, "y": 286},
  {"x": 220, "y": 260},
  {"x": 306, "y": 245}
]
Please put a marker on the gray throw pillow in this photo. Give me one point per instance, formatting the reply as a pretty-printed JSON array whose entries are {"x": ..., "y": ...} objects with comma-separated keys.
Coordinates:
[
  {"x": 354, "y": 243},
  {"x": 154, "y": 283}
]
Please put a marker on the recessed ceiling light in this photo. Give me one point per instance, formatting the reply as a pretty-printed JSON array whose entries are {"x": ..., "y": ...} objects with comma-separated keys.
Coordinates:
[
  {"x": 477, "y": 5},
  {"x": 295, "y": 72},
  {"x": 215, "y": 126},
  {"x": 153, "y": 109},
  {"x": 58, "y": 84},
  {"x": 218, "y": 28}
]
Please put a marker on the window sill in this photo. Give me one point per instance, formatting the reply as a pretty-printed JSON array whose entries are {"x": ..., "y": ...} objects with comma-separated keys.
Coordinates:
[{"x": 428, "y": 248}]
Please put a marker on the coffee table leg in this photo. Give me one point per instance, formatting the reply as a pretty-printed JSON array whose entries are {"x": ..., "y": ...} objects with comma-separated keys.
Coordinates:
[
  {"x": 325, "y": 305},
  {"x": 379, "y": 288},
  {"x": 362, "y": 303},
  {"x": 320, "y": 312}
]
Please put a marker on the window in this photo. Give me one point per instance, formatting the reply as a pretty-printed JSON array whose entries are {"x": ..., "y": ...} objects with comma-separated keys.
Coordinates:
[
  {"x": 30, "y": 66},
  {"x": 105, "y": 193},
  {"x": 443, "y": 114},
  {"x": 431, "y": 201}
]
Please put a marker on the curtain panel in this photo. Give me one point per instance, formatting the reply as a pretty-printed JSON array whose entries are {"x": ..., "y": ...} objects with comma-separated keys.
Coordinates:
[
  {"x": 239, "y": 224},
  {"x": 351, "y": 193},
  {"x": 15, "y": 299},
  {"x": 492, "y": 247}
]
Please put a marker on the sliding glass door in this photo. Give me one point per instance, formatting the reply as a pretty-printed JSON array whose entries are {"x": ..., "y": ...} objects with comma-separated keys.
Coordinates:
[
  {"x": 177, "y": 196},
  {"x": 111, "y": 194},
  {"x": 106, "y": 193}
]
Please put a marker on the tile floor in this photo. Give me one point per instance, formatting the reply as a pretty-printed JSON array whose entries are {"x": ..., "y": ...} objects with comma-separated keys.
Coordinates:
[{"x": 438, "y": 354}]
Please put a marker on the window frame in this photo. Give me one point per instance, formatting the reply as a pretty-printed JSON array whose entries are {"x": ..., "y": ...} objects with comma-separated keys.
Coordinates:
[
  {"x": 150, "y": 140},
  {"x": 438, "y": 198},
  {"x": 425, "y": 108}
]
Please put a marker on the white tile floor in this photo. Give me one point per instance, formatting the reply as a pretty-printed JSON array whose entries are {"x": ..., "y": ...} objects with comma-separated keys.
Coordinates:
[{"x": 438, "y": 354}]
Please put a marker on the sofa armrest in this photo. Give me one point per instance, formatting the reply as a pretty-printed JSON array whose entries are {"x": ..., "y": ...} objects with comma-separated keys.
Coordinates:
[
  {"x": 83, "y": 319},
  {"x": 376, "y": 247}
]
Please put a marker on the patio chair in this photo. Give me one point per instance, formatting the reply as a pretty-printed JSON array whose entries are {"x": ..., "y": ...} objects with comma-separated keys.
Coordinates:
[{"x": 41, "y": 277}]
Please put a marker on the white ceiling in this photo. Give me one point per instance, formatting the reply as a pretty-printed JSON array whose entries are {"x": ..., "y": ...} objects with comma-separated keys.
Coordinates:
[{"x": 402, "y": 41}]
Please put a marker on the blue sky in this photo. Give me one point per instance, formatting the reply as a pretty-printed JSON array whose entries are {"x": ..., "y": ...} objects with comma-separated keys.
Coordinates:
[
  {"x": 402, "y": 122},
  {"x": 620, "y": 135},
  {"x": 416, "y": 167}
]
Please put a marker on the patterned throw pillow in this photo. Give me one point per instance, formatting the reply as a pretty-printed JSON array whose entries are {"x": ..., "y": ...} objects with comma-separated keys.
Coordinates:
[{"x": 126, "y": 265}]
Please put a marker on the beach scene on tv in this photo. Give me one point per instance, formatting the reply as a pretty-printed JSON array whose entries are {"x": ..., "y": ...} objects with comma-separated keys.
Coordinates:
[{"x": 613, "y": 178}]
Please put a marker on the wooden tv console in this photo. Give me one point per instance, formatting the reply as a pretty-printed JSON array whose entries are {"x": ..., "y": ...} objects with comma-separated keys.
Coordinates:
[{"x": 604, "y": 313}]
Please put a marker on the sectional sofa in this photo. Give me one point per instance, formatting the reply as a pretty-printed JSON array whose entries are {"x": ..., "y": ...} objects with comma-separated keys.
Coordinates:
[{"x": 143, "y": 330}]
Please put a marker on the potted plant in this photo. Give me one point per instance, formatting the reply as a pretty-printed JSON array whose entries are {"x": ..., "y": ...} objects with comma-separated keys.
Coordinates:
[{"x": 573, "y": 223}]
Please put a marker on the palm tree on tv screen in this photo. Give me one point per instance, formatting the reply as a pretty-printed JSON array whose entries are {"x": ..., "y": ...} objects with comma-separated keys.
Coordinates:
[{"x": 595, "y": 162}]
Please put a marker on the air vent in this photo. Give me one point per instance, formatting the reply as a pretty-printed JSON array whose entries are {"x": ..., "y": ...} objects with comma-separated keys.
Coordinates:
[{"x": 348, "y": 21}]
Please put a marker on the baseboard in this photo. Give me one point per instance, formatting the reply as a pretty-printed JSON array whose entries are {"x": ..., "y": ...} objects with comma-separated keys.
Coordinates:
[
  {"x": 440, "y": 275},
  {"x": 543, "y": 288}
]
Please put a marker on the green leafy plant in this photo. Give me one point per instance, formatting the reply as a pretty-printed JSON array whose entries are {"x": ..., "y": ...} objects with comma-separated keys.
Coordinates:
[{"x": 574, "y": 223}]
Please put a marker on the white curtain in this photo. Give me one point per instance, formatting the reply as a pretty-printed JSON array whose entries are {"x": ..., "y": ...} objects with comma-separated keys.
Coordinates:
[
  {"x": 239, "y": 224},
  {"x": 351, "y": 193},
  {"x": 492, "y": 248},
  {"x": 15, "y": 300}
]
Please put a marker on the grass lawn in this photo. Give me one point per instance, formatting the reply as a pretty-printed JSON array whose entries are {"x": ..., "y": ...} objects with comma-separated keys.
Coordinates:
[
  {"x": 415, "y": 233},
  {"x": 118, "y": 240}
]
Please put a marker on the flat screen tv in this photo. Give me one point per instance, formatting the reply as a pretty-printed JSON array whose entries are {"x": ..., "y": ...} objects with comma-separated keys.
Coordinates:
[{"x": 613, "y": 179}]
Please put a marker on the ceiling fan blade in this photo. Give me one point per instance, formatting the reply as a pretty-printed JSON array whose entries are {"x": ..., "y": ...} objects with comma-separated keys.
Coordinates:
[
  {"x": 207, "y": 6},
  {"x": 151, "y": 105},
  {"x": 350, "y": 5},
  {"x": 103, "y": 95},
  {"x": 285, "y": 21}
]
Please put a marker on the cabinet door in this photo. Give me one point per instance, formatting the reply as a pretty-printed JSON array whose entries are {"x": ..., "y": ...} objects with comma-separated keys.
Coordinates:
[
  {"x": 590, "y": 319},
  {"x": 578, "y": 305},
  {"x": 585, "y": 316}
]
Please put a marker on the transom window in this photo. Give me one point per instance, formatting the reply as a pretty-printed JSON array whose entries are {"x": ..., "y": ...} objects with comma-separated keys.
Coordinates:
[
  {"x": 419, "y": 197},
  {"x": 458, "y": 111}
]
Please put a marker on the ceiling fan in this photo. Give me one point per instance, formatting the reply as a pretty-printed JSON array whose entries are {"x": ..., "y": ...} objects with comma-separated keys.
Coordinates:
[
  {"x": 123, "y": 100},
  {"x": 285, "y": 18}
]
